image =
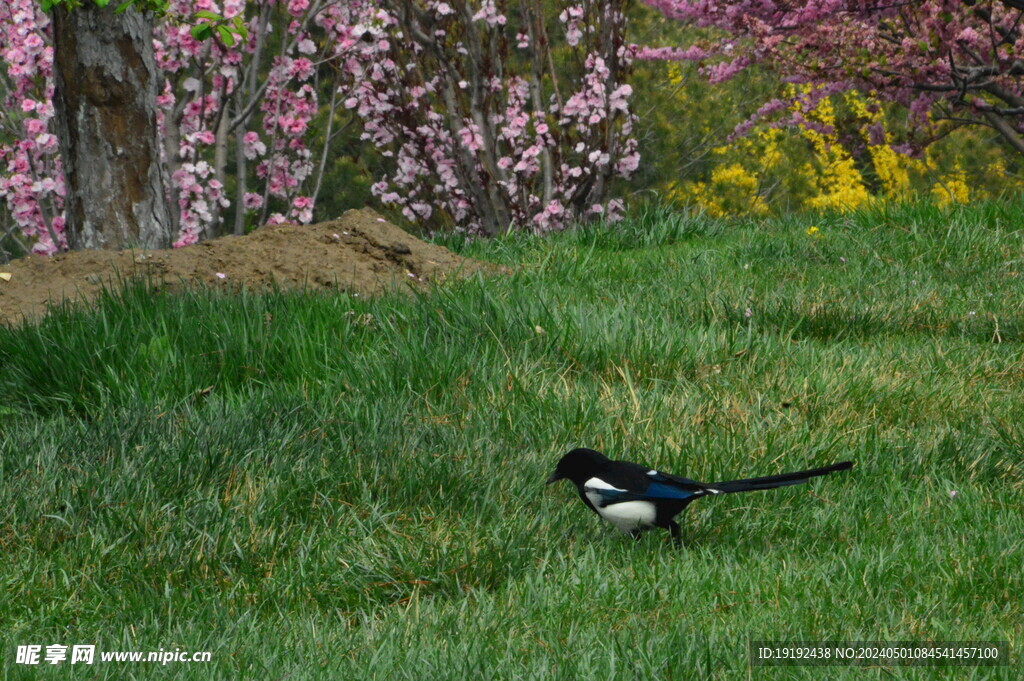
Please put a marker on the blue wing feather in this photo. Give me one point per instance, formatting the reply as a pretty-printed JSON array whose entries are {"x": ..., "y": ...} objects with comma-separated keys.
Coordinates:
[
  {"x": 659, "y": 490},
  {"x": 654, "y": 491}
]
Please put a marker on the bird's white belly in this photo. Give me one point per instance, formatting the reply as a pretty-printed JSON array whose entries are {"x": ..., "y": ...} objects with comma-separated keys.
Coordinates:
[{"x": 628, "y": 515}]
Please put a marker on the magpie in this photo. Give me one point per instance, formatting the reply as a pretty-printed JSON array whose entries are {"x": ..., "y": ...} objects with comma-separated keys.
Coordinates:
[{"x": 635, "y": 498}]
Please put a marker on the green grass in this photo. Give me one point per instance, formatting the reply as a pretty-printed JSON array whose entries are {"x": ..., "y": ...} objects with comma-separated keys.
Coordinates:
[{"x": 316, "y": 486}]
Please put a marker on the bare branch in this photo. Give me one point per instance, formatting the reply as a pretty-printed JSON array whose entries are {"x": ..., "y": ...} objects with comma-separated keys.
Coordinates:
[{"x": 1005, "y": 130}]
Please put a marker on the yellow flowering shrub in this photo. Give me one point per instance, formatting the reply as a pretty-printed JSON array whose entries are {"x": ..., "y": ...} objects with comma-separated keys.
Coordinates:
[
  {"x": 833, "y": 173},
  {"x": 892, "y": 169},
  {"x": 732, "y": 190},
  {"x": 843, "y": 161},
  {"x": 951, "y": 189}
]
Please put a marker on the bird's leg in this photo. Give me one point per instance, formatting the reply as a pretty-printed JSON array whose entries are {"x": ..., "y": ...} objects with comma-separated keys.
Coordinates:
[
  {"x": 675, "y": 533},
  {"x": 635, "y": 534}
]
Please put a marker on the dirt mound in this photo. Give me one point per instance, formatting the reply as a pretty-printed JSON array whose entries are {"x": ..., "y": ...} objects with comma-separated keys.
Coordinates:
[{"x": 360, "y": 252}]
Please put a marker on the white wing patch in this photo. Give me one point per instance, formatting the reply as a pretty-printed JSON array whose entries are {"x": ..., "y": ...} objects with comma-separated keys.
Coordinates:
[
  {"x": 652, "y": 472},
  {"x": 625, "y": 516},
  {"x": 598, "y": 483}
]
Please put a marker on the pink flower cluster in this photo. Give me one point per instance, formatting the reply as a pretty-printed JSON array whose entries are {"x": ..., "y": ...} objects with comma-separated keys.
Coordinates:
[
  {"x": 486, "y": 136},
  {"x": 31, "y": 183},
  {"x": 244, "y": 97}
]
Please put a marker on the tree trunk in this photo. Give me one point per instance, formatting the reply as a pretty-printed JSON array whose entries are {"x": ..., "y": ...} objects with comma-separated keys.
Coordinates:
[{"x": 106, "y": 115}]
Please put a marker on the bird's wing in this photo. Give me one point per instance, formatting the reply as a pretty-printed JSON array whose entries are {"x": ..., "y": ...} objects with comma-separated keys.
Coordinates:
[
  {"x": 668, "y": 478},
  {"x": 685, "y": 484},
  {"x": 654, "y": 487}
]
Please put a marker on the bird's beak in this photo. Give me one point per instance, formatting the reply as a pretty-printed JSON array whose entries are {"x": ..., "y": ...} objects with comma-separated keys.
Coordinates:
[{"x": 555, "y": 477}]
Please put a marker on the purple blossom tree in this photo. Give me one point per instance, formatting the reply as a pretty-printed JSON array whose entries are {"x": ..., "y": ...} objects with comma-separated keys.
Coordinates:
[{"x": 952, "y": 62}]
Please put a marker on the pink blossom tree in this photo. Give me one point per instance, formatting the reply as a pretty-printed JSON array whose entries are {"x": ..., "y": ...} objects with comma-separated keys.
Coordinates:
[
  {"x": 81, "y": 144},
  {"x": 481, "y": 126},
  {"x": 949, "y": 61}
]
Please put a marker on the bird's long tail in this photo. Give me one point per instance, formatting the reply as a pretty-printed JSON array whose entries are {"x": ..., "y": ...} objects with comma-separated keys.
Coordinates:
[{"x": 772, "y": 481}]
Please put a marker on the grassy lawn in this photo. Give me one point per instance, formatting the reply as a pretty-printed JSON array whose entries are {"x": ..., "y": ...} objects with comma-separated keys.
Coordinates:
[{"x": 331, "y": 487}]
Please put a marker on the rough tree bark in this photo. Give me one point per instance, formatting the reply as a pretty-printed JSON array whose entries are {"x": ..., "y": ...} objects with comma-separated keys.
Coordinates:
[{"x": 105, "y": 101}]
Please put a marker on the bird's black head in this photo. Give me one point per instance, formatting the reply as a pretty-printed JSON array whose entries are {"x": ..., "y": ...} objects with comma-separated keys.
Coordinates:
[{"x": 579, "y": 465}]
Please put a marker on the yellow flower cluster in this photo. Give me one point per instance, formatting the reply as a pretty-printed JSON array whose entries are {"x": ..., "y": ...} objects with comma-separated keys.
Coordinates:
[
  {"x": 811, "y": 166},
  {"x": 675, "y": 74},
  {"x": 951, "y": 189},
  {"x": 892, "y": 169},
  {"x": 771, "y": 154},
  {"x": 733, "y": 190},
  {"x": 840, "y": 186}
]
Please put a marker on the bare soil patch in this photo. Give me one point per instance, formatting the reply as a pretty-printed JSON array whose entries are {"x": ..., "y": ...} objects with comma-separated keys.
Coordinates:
[{"x": 360, "y": 252}]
